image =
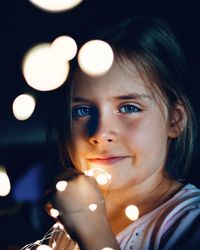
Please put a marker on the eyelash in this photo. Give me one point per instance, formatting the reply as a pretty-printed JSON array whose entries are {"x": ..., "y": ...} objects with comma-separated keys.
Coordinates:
[
  {"x": 134, "y": 109},
  {"x": 83, "y": 111},
  {"x": 76, "y": 112}
]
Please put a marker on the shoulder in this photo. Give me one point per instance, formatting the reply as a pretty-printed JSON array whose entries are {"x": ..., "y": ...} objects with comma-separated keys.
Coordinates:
[{"x": 183, "y": 224}]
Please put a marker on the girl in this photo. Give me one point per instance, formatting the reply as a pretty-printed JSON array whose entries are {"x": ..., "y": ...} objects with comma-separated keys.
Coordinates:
[{"x": 136, "y": 124}]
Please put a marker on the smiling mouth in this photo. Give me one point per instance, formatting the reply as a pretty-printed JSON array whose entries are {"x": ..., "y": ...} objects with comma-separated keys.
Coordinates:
[{"x": 107, "y": 160}]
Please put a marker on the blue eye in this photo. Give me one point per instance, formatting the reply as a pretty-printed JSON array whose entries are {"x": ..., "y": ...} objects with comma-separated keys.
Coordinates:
[
  {"x": 129, "y": 109},
  {"x": 80, "y": 112}
]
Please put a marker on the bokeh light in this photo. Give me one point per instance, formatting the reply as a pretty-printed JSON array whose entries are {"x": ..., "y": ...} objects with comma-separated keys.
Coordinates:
[
  {"x": 58, "y": 225},
  {"x": 43, "y": 70},
  {"x": 132, "y": 212},
  {"x": 61, "y": 185},
  {"x": 56, "y": 5},
  {"x": 107, "y": 248},
  {"x": 44, "y": 247},
  {"x": 101, "y": 176},
  {"x": 23, "y": 106},
  {"x": 4, "y": 182},
  {"x": 53, "y": 244},
  {"x": 64, "y": 47},
  {"x": 54, "y": 212},
  {"x": 95, "y": 57},
  {"x": 92, "y": 207},
  {"x": 102, "y": 179}
]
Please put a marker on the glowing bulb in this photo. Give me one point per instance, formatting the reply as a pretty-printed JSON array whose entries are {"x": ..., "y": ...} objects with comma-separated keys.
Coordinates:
[
  {"x": 58, "y": 225},
  {"x": 54, "y": 244},
  {"x": 132, "y": 212},
  {"x": 44, "y": 247},
  {"x": 4, "y": 182},
  {"x": 64, "y": 47},
  {"x": 95, "y": 57},
  {"x": 101, "y": 176},
  {"x": 23, "y": 106},
  {"x": 61, "y": 185},
  {"x": 89, "y": 173},
  {"x": 102, "y": 179},
  {"x": 109, "y": 176},
  {"x": 54, "y": 212},
  {"x": 43, "y": 70},
  {"x": 92, "y": 207},
  {"x": 107, "y": 248},
  {"x": 56, "y": 5}
]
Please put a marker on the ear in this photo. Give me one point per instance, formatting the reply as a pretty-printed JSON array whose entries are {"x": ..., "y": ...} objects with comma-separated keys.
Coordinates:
[{"x": 177, "y": 120}]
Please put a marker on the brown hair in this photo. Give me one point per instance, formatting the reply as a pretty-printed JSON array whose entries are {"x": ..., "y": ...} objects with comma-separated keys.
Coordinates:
[{"x": 152, "y": 47}]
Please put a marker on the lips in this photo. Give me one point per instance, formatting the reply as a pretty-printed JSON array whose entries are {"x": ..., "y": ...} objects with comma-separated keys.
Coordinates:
[{"x": 106, "y": 160}]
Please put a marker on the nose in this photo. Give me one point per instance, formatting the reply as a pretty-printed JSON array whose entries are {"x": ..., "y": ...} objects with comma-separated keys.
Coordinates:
[
  {"x": 105, "y": 131},
  {"x": 100, "y": 138}
]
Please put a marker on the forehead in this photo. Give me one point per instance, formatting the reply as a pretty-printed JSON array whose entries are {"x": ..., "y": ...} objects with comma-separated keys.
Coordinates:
[{"x": 119, "y": 79}]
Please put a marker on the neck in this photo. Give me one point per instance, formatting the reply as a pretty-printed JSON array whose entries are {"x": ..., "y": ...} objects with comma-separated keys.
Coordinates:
[{"x": 146, "y": 197}]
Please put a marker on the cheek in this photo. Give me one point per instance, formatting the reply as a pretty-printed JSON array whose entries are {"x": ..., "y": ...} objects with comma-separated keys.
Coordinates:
[
  {"x": 79, "y": 131},
  {"x": 146, "y": 136},
  {"x": 80, "y": 140}
]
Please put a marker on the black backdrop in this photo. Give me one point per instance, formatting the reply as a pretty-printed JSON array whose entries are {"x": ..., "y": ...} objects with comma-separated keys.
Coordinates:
[{"x": 22, "y": 144}]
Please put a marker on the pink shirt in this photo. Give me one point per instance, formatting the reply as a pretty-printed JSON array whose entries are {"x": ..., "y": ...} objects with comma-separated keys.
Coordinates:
[
  {"x": 174, "y": 225},
  {"x": 168, "y": 226}
]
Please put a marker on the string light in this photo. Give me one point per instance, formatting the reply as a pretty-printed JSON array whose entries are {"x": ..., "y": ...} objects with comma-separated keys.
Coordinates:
[
  {"x": 101, "y": 176},
  {"x": 44, "y": 247},
  {"x": 92, "y": 207},
  {"x": 88, "y": 173},
  {"x": 61, "y": 185},
  {"x": 5, "y": 186},
  {"x": 56, "y": 5},
  {"x": 54, "y": 244},
  {"x": 58, "y": 225},
  {"x": 42, "y": 69},
  {"x": 54, "y": 229},
  {"x": 102, "y": 179},
  {"x": 23, "y": 106},
  {"x": 107, "y": 248},
  {"x": 95, "y": 57},
  {"x": 54, "y": 212},
  {"x": 64, "y": 47},
  {"x": 132, "y": 212}
]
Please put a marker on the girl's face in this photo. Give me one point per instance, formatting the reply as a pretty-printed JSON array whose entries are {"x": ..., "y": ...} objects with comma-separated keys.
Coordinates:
[{"x": 119, "y": 127}]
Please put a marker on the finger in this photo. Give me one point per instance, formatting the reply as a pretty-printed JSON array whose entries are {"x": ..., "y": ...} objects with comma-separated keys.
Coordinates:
[{"x": 67, "y": 175}]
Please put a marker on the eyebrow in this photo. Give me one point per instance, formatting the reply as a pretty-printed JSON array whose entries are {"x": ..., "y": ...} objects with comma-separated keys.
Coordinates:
[
  {"x": 133, "y": 96},
  {"x": 121, "y": 97}
]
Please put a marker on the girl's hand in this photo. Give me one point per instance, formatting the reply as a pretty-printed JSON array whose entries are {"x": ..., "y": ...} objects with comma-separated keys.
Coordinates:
[{"x": 82, "y": 211}]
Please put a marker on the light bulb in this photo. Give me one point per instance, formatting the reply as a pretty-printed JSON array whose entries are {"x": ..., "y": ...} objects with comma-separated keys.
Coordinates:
[
  {"x": 58, "y": 225},
  {"x": 92, "y": 207},
  {"x": 89, "y": 173},
  {"x": 54, "y": 212},
  {"x": 107, "y": 248},
  {"x": 102, "y": 179},
  {"x": 42, "y": 69},
  {"x": 64, "y": 48},
  {"x": 4, "y": 182},
  {"x": 61, "y": 185},
  {"x": 54, "y": 244},
  {"x": 44, "y": 247},
  {"x": 95, "y": 57},
  {"x": 56, "y": 5},
  {"x": 23, "y": 106},
  {"x": 132, "y": 212}
]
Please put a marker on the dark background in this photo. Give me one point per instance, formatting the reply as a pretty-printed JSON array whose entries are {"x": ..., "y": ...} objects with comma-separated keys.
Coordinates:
[{"x": 22, "y": 143}]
